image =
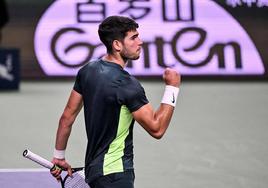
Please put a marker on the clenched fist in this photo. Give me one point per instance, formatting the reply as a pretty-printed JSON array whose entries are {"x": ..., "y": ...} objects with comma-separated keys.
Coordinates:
[{"x": 172, "y": 77}]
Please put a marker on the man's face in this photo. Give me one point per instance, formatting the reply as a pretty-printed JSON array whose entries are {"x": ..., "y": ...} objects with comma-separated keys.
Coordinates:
[{"x": 131, "y": 46}]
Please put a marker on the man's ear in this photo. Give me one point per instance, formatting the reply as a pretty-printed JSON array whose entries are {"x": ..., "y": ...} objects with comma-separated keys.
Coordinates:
[{"x": 117, "y": 45}]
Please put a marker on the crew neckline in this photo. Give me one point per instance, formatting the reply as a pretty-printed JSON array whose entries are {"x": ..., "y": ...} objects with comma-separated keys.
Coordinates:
[{"x": 111, "y": 63}]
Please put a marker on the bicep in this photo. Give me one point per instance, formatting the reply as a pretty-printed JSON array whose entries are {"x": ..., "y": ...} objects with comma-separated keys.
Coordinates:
[
  {"x": 154, "y": 122},
  {"x": 145, "y": 117}
]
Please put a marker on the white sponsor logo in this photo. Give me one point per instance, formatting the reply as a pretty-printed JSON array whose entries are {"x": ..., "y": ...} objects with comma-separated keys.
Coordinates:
[{"x": 6, "y": 68}]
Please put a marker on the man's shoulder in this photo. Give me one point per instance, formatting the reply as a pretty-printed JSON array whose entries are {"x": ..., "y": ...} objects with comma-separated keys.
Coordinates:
[
  {"x": 134, "y": 79},
  {"x": 89, "y": 65},
  {"x": 131, "y": 82}
]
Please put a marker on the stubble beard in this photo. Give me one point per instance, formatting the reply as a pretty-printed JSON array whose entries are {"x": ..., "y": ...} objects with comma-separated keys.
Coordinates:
[{"x": 126, "y": 56}]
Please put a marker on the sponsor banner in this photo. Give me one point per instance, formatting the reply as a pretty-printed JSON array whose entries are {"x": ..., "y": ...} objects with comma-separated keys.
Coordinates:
[
  {"x": 196, "y": 37},
  {"x": 9, "y": 69}
]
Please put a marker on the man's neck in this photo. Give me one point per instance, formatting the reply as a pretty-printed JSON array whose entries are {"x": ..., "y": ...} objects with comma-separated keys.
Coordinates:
[{"x": 115, "y": 59}]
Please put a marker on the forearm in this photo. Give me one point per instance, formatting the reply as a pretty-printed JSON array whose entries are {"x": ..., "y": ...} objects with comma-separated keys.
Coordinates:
[
  {"x": 67, "y": 119},
  {"x": 164, "y": 113},
  {"x": 157, "y": 122},
  {"x": 162, "y": 118},
  {"x": 63, "y": 132}
]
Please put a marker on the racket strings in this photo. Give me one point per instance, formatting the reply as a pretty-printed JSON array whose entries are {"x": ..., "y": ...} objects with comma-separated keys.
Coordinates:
[{"x": 77, "y": 181}]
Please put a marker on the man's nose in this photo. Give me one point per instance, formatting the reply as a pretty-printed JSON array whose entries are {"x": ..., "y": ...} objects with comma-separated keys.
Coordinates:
[{"x": 140, "y": 42}]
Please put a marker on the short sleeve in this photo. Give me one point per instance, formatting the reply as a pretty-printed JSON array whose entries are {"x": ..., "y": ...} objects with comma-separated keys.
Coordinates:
[
  {"x": 137, "y": 101},
  {"x": 134, "y": 96},
  {"x": 77, "y": 85}
]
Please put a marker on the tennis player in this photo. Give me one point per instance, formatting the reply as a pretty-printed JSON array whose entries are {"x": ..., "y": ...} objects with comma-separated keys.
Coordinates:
[{"x": 113, "y": 100}]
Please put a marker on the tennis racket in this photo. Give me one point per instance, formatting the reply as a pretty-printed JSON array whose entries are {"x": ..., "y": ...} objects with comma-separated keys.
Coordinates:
[{"x": 76, "y": 181}]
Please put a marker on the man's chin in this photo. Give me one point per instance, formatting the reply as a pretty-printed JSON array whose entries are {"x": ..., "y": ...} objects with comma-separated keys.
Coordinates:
[{"x": 135, "y": 58}]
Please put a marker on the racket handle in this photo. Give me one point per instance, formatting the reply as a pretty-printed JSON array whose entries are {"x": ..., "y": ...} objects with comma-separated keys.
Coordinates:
[
  {"x": 55, "y": 167},
  {"x": 38, "y": 159}
]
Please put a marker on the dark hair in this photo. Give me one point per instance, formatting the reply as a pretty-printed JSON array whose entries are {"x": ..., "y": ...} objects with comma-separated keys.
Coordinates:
[{"x": 115, "y": 28}]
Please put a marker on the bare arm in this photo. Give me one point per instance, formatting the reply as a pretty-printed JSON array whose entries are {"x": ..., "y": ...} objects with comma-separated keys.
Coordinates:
[
  {"x": 157, "y": 122},
  {"x": 154, "y": 122},
  {"x": 67, "y": 119}
]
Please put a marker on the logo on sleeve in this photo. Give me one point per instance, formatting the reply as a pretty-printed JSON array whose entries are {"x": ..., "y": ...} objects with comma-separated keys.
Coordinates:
[{"x": 173, "y": 98}]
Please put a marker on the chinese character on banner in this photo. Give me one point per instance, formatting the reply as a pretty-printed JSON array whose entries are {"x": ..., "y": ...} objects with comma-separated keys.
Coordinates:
[
  {"x": 90, "y": 12},
  {"x": 134, "y": 11},
  {"x": 178, "y": 10},
  {"x": 233, "y": 3},
  {"x": 249, "y": 3}
]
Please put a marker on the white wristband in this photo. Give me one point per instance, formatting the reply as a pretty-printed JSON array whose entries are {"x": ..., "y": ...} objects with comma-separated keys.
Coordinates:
[
  {"x": 59, "y": 154},
  {"x": 170, "y": 95}
]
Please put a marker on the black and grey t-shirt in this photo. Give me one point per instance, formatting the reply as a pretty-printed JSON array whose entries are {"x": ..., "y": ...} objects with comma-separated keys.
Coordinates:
[{"x": 110, "y": 94}]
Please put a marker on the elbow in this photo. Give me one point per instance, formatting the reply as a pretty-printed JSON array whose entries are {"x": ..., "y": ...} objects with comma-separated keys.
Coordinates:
[
  {"x": 157, "y": 134},
  {"x": 155, "y": 129}
]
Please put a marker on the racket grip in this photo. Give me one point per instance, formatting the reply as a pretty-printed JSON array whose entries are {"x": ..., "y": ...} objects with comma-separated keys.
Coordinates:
[
  {"x": 55, "y": 167},
  {"x": 38, "y": 159}
]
